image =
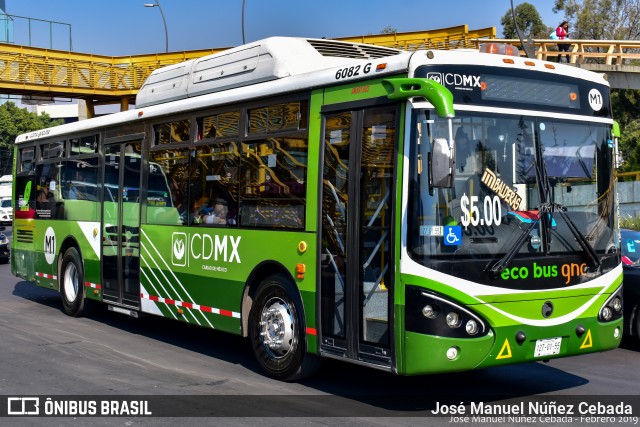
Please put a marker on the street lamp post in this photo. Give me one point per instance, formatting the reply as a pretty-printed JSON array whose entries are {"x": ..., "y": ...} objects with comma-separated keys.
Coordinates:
[
  {"x": 164, "y": 21},
  {"x": 243, "y": 42}
]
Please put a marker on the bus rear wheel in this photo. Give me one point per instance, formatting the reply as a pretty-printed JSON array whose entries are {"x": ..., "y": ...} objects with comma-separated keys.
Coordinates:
[
  {"x": 276, "y": 328},
  {"x": 72, "y": 283}
]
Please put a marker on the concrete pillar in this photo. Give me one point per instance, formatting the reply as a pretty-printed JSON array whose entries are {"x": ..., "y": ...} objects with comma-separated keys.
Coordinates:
[{"x": 90, "y": 109}]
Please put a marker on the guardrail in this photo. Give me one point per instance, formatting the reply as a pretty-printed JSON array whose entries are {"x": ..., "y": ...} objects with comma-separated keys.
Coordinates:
[
  {"x": 607, "y": 52},
  {"x": 443, "y": 38},
  {"x": 635, "y": 176}
]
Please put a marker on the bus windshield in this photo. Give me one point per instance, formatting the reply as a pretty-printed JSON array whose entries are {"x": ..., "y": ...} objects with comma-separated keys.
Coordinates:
[{"x": 508, "y": 170}]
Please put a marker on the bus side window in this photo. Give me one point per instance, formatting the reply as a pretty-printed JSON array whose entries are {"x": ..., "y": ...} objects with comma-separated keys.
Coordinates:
[
  {"x": 48, "y": 206},
  {"x": 167, "y": 187},
  {"x": 214, "y": 195},
  {"x": 273, "y": 179},
  {"x": 79, "y": 189}
]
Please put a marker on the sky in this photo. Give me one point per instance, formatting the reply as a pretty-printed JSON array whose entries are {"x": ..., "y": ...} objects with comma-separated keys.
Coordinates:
[{"x": 126, "y": 27}]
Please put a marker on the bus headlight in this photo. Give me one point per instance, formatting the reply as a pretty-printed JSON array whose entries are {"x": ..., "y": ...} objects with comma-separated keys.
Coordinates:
[
  {"x": 616, "y": 304},
  {"x": 429, "y": 313},
  {"x": 612, "y": 308},
  {"x": 453, "y": 320},
  {"x": 471, "y": 327}
]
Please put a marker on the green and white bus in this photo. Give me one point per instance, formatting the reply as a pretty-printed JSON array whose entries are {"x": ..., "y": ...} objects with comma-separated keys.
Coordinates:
[{"x": 415, "y": 212}]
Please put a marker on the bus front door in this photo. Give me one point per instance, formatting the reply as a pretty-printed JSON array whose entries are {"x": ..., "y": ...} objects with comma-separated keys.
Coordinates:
[
  {"x": 357, "y": 234},
  {"x": 121, "y": 223}
]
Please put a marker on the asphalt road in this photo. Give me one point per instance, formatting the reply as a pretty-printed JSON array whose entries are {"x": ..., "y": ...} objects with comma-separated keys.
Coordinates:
[{"x": 44, "y": 352}]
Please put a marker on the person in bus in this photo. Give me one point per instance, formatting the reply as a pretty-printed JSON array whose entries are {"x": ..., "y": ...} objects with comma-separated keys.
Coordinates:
[
  {"x": 466, "y": 153},
  {"x": 196, "y": 217},
  {"x": 563, "y": 33},
  {"x": 218, "y": 213},
  {"x": 43, "y": 194},
  {"x": 45, "y": 201}
]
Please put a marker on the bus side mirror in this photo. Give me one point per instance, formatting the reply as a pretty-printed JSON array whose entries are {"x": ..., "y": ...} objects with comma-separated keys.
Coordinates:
[{"x": 441, "y": 164}]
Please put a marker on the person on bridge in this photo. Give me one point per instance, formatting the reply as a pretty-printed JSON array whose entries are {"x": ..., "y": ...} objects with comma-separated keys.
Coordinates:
[{"x": 563, "y": 33}]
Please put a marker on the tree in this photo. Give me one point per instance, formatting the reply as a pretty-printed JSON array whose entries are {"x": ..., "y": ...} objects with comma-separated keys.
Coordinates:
[
  {"x": 610, "y": 20},
  {"x": 528, "y": 20},
  {"x": 626, "y": 110},
  {"x": 601, "y": 19},
  {"x": 13, "y": 122}
]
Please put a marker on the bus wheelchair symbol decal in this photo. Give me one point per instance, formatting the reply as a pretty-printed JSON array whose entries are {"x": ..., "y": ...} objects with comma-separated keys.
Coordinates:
[{"x": 452, "y": 235}]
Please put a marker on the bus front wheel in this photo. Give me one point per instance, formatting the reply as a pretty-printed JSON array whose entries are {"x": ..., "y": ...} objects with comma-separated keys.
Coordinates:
[
  {"x": 276, "y": 328},
  {"x": 72, "y": 285}
]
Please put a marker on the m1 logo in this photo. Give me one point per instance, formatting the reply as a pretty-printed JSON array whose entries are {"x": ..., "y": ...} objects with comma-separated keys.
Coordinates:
[
  {"x": 50, "y": 245},
  {"x": 595, "y": 100}
]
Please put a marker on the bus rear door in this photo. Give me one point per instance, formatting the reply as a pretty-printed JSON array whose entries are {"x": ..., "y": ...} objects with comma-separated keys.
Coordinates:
[{"x": 121, "y": 222}]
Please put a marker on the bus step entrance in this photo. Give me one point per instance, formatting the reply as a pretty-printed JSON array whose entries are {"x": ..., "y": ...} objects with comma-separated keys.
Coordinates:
[{"x": 376, "y": 330}]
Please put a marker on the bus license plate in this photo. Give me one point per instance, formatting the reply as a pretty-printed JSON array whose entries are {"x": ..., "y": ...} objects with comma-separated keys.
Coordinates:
[{"x": 548, "y": 347}]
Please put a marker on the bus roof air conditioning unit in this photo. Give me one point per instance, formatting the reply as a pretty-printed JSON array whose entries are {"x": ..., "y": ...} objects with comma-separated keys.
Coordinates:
[{"x": 264, "y": 60}]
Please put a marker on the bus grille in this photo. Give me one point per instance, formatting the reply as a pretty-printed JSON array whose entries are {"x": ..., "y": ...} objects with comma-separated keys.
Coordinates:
[
  {"x": 351, "y": 50},
  {"x": 24, "y": 236}
]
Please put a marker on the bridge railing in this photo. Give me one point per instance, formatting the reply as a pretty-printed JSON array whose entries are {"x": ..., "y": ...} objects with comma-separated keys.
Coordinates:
[
  {"x": 27, "y": 70},
  {"x": 607, "y": 52},
  {"x": 443, "y": 38},
  {"x": 628, "y": 176}
]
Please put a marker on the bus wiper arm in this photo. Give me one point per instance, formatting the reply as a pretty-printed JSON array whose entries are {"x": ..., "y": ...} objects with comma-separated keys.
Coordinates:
[
  {"x": 543, "y": 189},
  {"x": 498, "y": 267},
  {"x": 504, "y": 262},
  {"x": 582, "y": 241},
  {"x": 547, "y": 209}
]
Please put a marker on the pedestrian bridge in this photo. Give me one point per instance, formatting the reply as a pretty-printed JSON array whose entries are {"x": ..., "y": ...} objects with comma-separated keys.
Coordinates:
[
  {"x": 618, "y": 59},
  {"x": 99, "y": 79}
]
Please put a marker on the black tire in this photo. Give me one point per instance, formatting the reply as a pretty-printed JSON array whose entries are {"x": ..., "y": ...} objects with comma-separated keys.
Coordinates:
[
  {"x": 277, "y": 331},
  {"x": 72, "y": 283},
  {"x": 636, "y": 321}
]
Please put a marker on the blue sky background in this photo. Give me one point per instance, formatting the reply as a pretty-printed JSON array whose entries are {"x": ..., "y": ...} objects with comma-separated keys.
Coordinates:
[{"x": 126, "y": 27}]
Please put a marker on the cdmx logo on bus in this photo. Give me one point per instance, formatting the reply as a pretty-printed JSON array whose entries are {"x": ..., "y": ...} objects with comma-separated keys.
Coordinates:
[
  {"x": 204, "y": 247},
  {"x": 454, "y": 79}
]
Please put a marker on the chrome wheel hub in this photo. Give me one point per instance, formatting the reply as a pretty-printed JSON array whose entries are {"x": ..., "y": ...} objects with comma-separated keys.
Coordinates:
[
  {"x": 277, "y": 327},
  {"x": 71, "y": 282}
]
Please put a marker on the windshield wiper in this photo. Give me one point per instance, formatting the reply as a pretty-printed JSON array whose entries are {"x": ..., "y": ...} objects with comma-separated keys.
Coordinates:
[
  {"x": 543, "y": 192},
  {"x": 503, "y": 262},
  {"x": 545, "y": 213},
  {"x": 582, "y": 241},
  {"x": 551, "y": 207}
]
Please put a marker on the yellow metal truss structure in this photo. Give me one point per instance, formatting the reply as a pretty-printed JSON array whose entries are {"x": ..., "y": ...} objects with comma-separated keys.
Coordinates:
[{"x": 116, "y": 79}]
